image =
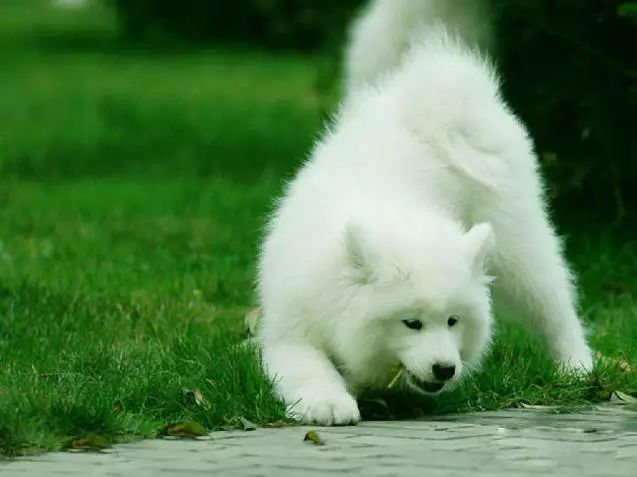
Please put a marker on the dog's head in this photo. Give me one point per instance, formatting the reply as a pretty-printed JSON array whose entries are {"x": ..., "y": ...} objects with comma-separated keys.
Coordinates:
[{"x": 422, "y": 299}]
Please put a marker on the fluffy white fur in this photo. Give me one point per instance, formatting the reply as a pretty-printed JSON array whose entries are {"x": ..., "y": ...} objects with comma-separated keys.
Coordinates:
[
  {"x": 425, "y": 188},
  {"x": 380, "y": 36}
]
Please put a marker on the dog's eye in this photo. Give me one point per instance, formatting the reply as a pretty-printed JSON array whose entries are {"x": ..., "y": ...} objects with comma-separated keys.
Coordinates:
[
  {"x": 413, "y": 324},
  {"x": 452, "y": 320}
]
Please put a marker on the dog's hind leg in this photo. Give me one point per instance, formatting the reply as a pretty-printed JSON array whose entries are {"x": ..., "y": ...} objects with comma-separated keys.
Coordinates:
[
  {"x": 533, "y": 282},
  {"x": 309, "y": 384}
]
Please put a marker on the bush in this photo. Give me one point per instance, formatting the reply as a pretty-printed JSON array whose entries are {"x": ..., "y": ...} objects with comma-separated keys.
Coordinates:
[{"x": 570, "y": 71}]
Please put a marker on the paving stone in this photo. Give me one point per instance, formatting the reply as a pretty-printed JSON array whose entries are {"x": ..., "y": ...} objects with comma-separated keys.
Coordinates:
[{"x": 527, "y": 442}]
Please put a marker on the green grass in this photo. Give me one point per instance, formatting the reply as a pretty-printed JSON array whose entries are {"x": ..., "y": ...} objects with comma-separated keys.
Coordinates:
[{"x": 133, "y": 188}]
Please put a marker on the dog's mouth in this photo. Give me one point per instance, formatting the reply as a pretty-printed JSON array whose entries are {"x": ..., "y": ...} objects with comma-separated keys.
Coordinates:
[{"x": 427, "y": 387}]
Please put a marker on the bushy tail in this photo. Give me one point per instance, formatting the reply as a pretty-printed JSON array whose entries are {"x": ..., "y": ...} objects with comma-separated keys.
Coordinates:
[{"x": 386, "y": 28}]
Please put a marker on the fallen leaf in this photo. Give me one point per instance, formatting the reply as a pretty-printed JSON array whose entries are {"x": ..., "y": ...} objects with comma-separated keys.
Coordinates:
[
  {"x": 621, "y": 398},
  {"x": 185, "y": 429},
  {"x": 200, "y": 400},
  {"x": 247, "y": 425},
  {"x": 523, "y": 405},
  {"x": 194, "y": 397},
  {"x": 88, "y": 443},
  {"x": 314, "y": 438},
  {"x": 276, "y": 425},
  {"x": 251, "y": 321}
]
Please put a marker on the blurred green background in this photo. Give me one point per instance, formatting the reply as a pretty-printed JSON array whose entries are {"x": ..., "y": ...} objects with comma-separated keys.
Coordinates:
[{"x": 569, "y": 69}]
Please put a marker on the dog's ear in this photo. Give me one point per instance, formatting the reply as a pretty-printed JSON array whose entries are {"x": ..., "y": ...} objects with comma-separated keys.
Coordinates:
[
  {"x": 361, "y": 258},
  {"x": 479, "y": 242}
]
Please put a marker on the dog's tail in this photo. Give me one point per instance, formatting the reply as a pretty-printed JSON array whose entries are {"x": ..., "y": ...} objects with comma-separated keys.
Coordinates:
[{"x": 384, "y": 31}]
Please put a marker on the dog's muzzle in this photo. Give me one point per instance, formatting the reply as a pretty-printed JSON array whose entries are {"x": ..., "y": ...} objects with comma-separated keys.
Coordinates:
[{"x": 426, "y": 387}]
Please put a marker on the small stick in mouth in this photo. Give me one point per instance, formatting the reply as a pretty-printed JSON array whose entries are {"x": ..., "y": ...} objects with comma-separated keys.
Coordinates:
[{"x": 399, "y": 373}]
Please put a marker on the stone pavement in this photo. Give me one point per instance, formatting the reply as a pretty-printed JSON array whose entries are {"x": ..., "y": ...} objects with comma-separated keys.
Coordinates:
[{"x": 599, "y": 442}]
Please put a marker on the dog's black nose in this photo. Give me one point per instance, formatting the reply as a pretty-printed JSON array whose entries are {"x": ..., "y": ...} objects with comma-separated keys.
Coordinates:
[{"x": 443, "y": 371}]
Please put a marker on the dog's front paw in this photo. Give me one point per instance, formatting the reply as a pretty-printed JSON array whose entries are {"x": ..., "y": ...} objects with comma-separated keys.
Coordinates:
[{"x": 317, "y": 405}]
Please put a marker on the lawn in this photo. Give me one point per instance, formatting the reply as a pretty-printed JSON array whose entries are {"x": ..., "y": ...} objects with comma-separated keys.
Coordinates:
[{"x": 134, "y": 183}]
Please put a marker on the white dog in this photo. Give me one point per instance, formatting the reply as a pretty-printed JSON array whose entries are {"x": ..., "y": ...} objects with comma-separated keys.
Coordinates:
[{"x": 383, "y": 249}]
